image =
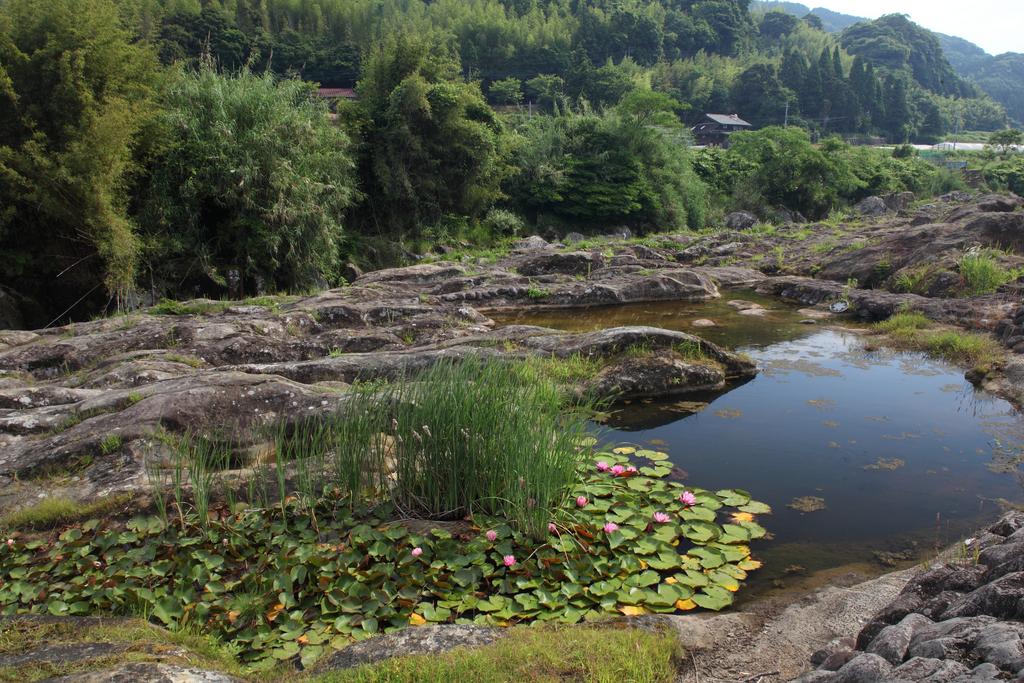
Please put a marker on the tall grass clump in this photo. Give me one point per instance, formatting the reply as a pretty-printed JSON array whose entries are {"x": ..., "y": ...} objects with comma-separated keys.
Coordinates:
[
  {"x": 481, "y": 436},
  {"x": 459, "y": 438},
  {"x": 982, "y": 274}
]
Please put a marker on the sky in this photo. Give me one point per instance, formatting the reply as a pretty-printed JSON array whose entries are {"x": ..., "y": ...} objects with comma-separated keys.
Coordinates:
[{"x": 996, "y": 26}]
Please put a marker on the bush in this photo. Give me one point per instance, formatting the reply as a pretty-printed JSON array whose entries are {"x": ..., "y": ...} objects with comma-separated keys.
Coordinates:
[
  {"x": 254, "y": 177},
  {"x": 503, "y": 223},
  {"x": 605, "y": 170}
]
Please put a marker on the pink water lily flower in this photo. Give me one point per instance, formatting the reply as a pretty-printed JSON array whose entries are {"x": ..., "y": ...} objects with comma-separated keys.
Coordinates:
[
  {"x": 687, "y": 498},
  {"x": 581, "y": 501},
  {"x": 618, "y": 469},
  {"x": 610, "y": 527},
  {"x": 552, "y": 528},
  {"x": 509, "y": 560},
  {"x": 661, "y": 517},
  {"x": 603, "y": 466},
  {"x": 630, "y": 470},
  {"x": 417, "y": 551},
  {"x": 492, "y": 535}
]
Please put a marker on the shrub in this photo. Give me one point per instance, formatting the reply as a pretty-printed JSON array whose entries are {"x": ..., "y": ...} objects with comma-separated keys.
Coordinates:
[
  {"x": 503, "y": 223},
  {"x": 253, "y": 177}
]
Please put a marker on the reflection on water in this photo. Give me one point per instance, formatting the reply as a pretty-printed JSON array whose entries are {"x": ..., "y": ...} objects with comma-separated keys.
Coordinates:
[{"x": 906, "y": 454}]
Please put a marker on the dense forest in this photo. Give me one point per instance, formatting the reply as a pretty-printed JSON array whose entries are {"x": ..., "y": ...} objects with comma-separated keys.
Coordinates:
[{"x": 175, "y": 147}]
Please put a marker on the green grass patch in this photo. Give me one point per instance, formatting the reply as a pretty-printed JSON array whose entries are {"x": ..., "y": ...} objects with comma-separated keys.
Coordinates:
[
  {"x": 904, "y": 321},
  {"x": 56, "y": 511},
  {"x": 545, "y": 655},
  {"x": 915, "y": 332},
  {"x": 207, "y": 307},
  {"x": 141, "y": 642},
  {"x": 983, "y": 274},
  {"x": 189, "y": 360}
]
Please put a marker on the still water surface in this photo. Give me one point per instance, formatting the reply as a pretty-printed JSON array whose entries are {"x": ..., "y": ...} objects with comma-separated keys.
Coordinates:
[{"x": 906, "y": 454}]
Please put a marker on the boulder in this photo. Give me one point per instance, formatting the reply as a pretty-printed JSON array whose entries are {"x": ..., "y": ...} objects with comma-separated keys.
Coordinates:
[
  {"x": 871, "y": 206},
  {"x": 573, "y": 237},
  {"x": 931, "y": 670},
  {"x": 351, "y": 272},
  {"x": 531, "y": 243},
  {"x": 864, "y": 668},
  {"x": 898, "y": 201},
  {"x": 892, "y": 642},
  {"x": 740, "y": 220}
]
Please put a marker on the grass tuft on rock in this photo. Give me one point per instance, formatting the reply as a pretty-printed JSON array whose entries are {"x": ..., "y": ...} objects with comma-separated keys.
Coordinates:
[
  {"x": 915, "y": 332},
  {"x": 56, "y": 511},
  {"x": 546, "y": 655}
]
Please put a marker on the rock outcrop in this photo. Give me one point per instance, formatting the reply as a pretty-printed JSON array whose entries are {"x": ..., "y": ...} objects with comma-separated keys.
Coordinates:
[{"x": 959, "y": 621}]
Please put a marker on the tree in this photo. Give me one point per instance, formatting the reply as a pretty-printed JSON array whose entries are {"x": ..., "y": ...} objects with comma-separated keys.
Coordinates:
[
  {"x": 433, "y": 145},
  {"x": 506, "y": 91},
  {"x": 545, "y": 89},
  {"x": 1005, "y": 141},
  {"x": 775, "y": 25},
  {"x": 785, "y": 169},
  {"x": 759, "y": 96},
  {"x": 76, "y": 97},
  {"x": 254, "y": 178}
]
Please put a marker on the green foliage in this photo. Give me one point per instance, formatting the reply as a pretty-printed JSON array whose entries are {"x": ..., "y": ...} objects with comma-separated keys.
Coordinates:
[
  {"x": 1007, "y": 174},
  {"x": 780, "y": 167},
  {"x": 76, "y": 98},
  {"x": 297, "y": 581},
  {"x": 607, "y": 169},
  {"x": 252, "y": 177},
  {"x": 1006, "y": 141},
  {"x": 506, "y": 91},
  {"x": 434, "y": 146}
]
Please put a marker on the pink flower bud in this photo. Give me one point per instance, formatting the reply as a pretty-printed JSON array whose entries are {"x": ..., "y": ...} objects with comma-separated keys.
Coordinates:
[
  {"x": 610, "y": 527},
  {"x": 10, "y": 542},
  {"x": 581, "y": 501},
  {"x": 417, "y": 551},
  {"x": 509, "y": 560},
  {"x": 492, "y": 535},
  {"x": 661, "y": 517},
  {"x": 603, "y": 466},
  {"x": 630, "y": 470},
  {"x": 552, "y": 528},
  {"x": 687, "y": 498},
  {"x": 618, "y": 469}
]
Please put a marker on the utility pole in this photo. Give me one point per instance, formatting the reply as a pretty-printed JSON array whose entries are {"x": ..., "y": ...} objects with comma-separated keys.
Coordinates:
[{"x": 785, "y": 123}]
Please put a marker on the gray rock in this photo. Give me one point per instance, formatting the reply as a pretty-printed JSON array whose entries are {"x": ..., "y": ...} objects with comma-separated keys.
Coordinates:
[
  {"x": 817, "y": 676},
  {"x": 571, "y": 263},
  {"x": 871, "y": 206},
  {"x": 865, "y": 668},
  {"x": 740, "y": 220},
  {"x": 351, "y": 272},
  {"x": 1003, "y": 598},
  {"x": 930, "y": 670},
  {"x": 531, "y": 243},
  {"x": 411, "y": 641},
  {"x": 983, "y": 673},
  {"x": 939, "y": 640},
  {"x": 148, "y": 673},
  {"x": 898, "y": 201},
  {"x": 1000, "y": 644},
  {"x": 573, "y": 237},
  {"x": 892, "y": 643}
]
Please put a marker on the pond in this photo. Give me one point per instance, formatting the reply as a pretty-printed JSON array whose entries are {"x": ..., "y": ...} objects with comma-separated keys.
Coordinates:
[{"x": 903, "y": 452}]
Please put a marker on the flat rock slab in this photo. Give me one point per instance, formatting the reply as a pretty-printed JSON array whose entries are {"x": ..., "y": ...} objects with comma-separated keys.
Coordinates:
[
  {"x": 60, "y": 653},
  {"x": 411, "y": 641},
  {"x": 148, "y": 673}
]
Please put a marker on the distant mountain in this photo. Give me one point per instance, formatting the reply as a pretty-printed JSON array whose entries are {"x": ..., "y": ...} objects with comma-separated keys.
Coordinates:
[
  {"x": 965, "y": 56},
  {"x": 832, "y": 21}
]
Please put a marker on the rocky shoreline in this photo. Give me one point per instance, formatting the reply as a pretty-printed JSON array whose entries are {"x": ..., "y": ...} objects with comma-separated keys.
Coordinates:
[{"x": 959, "y": 621}]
